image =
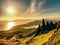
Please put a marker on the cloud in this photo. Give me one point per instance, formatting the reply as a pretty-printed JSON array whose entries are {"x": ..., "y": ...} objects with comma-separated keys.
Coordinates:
[
  {"x": 38, "y": 8},
  {"x": 35, "y": 7}
]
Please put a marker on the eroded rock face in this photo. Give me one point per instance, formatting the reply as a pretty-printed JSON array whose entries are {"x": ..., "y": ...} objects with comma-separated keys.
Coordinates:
[{"x": 58, "y": 25}]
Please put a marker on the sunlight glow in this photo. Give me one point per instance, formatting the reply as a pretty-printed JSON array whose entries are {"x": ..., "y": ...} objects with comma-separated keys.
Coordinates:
[
  {"x": 10, "y": 10},
  {"x": 10, "y": 25}
]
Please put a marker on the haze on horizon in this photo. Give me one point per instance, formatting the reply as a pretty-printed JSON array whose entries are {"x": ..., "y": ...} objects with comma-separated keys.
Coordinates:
[{"x": 29, "y": 9}]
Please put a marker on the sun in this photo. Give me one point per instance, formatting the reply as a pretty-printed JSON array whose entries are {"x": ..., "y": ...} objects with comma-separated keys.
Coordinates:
[{"x": 10, "y": 10}]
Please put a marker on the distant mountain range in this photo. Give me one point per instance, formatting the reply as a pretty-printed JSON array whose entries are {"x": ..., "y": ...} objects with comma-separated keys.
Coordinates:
[
  {"x": 32, "y": 23},
  {"x": 24, "y": 23}
]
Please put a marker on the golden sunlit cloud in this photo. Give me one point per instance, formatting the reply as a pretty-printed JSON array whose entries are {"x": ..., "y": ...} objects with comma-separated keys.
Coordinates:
[{"x": 11, "y": 8}]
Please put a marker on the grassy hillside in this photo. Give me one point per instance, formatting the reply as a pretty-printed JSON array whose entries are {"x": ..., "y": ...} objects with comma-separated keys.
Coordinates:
[
  {"x": 54, "y": 39},
  {"x": 39, "y": 40}
]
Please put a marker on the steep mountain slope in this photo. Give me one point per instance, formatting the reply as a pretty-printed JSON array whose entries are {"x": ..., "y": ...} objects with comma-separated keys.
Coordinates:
[
  {"x": 19, "y": 32},
  {"x": 39, "y": 40},
  {"x": 55, "y": 39}
]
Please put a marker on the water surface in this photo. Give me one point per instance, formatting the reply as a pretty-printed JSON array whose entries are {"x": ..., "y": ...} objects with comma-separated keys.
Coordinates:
[{"x": 6, "y": 25}]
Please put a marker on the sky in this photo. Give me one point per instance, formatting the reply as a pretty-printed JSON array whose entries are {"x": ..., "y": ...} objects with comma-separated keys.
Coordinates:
[{"x": 30, "y": 9}]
